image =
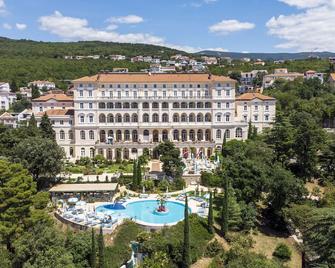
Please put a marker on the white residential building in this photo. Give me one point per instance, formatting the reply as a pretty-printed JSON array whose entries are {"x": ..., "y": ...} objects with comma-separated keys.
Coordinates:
[
  {"x": 52, "y": 101},
  {"x": 282, "y": 73},
  {"x": 313, "y": 74},
  {"x": 40, "y": 84},
  {"x": 117, "y": 57},
  {"x": 7, "y": 98},
  {"x": 118, "y": 115}
]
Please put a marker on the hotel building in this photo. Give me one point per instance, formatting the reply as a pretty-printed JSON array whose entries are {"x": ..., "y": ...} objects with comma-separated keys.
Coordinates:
[{"x": 119, "y": 115}]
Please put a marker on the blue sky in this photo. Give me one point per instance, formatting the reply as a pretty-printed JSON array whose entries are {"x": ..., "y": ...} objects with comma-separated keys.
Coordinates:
[{"x": 232, "y": 25}]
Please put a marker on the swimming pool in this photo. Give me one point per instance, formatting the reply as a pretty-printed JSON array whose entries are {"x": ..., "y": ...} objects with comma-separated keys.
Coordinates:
[{"x": 144, "y": 212}]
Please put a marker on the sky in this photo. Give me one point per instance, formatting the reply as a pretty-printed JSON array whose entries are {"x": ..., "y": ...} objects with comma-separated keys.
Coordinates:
[{"x": 189, "y": 25}]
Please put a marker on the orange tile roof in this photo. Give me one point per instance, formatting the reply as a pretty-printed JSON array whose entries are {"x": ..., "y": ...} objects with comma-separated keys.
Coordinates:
[
  {"x": 6, "y": 115},
  {"x": 253, "y": 95},
  {"x": 332, "y": 76},
  {"x": 56, "y": 112},
  {"x": 152, "y": 78},
  {"x": 57, "y": 97}
]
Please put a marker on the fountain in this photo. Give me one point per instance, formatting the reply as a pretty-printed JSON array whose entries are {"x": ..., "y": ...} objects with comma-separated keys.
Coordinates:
[{"x": 161, "y": 209}]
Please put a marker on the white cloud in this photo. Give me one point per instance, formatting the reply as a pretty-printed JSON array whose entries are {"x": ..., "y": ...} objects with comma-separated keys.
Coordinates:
[
  {"x": 2, "y": 7},
  {"x": 305, "y": 3},
  {"x": 70, "y": 28},
  {"x": 7, "y": 26},
  {"x": 21, "y": 26},
  {"x": 129, "y": 19},
  {"x": 210, "y": 1},
  {"x": 309, "y": 30},
  {"x": 229, "y": 26}
]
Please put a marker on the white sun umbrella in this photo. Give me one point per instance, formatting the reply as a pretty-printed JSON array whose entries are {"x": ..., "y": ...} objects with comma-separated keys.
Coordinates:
[
  {"x": 81, "y": 203},
  {"x": 206, "y": 196},
  {"x": 72, "y": 200}
]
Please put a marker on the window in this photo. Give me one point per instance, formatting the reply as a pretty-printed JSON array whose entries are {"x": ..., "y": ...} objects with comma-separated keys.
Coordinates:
[
  {"x": 227, "y": 105},
  {"x": 175, "y": 93},
  {"x": 145, "y": 105},
  {"x": 219, "y": 93},
  {"x": 218, "y": 118},
  {"x": 70, "y": 135},
  {"x": 238, "y": 133},
  {"x": 228, "y": 93},
  {"x": 227, "y": 117},
  {"x": 219, "y": 105},
  {"x": 90, "y": 93},
  {"x": 175, "y": 118},
  {"x": 155, "y": 86},
  {"x": 245, "y": 108},
  {"x": 82, "y": 119},
  {"x": 164, "y": 94},
  {"x": 191, "y": 94},
  {"x": 164, "y": 85},
  {"x": 146, "y": 94},
  {"x": 127, "y": 94},
  {"x": 70, "y": 122},
  {"x": 111, "y": 94},
  {"x": 61, "y": 122},
  {"x": 82, "y": 135},
  {"x": 81, "y": 105},
  {"x": 206, "y": 93},
  {"x": 134, "y": 86},
  {"x": 145, "y": 86},
  {"x": 62, "y": 135},
  {"x": 81, "y": 93},
  {"x": 227, "y": 133},
  {"x": 174, "y": 86},
  {"x": 266, "y": 107},
  {"x": 82, "y": 152},
  {"x": 90, "y": 105},
  {"x": 165, "y": 105},
  {"x": 255, "y": 117},
  {"x": 266, "y": 117},
  {"x": 145, "y": 118},
  {"x": 218, "y": 85},
  {"x": 102, "y": 105},
  {"x": 91, "y": 119},
  {"x": 165, "y": 118},
  {"x": 155, "y": 118},
  {"x": 41, "y": 109},
  {"x": 183, "y": 94},
  {"x": 119, "y": 94},
  {"x": 155, "y": 94},
  {"x": 218, "y": 134},
  {"x": 183, "y": 118},
  {"x": 199, "y": 94},
  {"x": 103, "y": 93},
  {"x": 245, "y": 118},
  {"x": 256, "y": 107},
  {"x": 135, "y": 94},
  {"x": 155, "y": 105},
  {"x": 91, "y": 134}
]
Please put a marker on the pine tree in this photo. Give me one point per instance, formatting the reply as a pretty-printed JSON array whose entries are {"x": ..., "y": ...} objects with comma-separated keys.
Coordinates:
[
  {"x": 46, "y": 128},
  {"x": 224, "y": 211},
  {"x": 186, "y": 245},
  {"x": 135, "y": 186},
  {"x": 32, "y": 126},
  {"x": 139, "y": 174},
  {"x": 101, "y": 246},
  {"x": 210, "y": 214},
  {"x": 93, "y": 256},
  {"x": 250, "y": 130}
]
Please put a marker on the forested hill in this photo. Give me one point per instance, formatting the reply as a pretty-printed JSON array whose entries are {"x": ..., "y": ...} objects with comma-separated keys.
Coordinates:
[
  {"x": 268, "y": 56},
  {"x": 29, "y": 48}
]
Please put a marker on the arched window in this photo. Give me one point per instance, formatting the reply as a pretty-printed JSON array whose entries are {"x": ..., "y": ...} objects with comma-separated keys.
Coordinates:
[
  {"x": 126, "y": 105},
  {"x": 176, "y": 135},
  {"x": 102, "y": 136},
  {"x": 184, "y": 105},
  {"x": 92, "y": 152},
  {"x": 134, "y": 105},
  {"x": 127, "y": 135},
  {"x": 200, "y": 105},
  {"x": 227, "y": 116},
  {"x": 70, "y": 135},
  {"x": 191, "y": 105},
  {"x": 102, "y": 105},
  {"x": 227, "y": 133},
  {"x": 184, "y": 135},
  {"x": 82, "y": 152},
  {"x": 176, "y": 105},
  {"x": 200, "y": 135},
  {"x": 110, "y": 105},
  {"x": 145, "y": 118},
  {"x": 155, "y": 105},
  {"x": 155, "y": 118},
  {"x": 165, "y": 135},
  {"x": 184, "y": 118},
  {"x": 145, "y": 105},
  {"x": 118, "y": 135},
  {"x": 239, "y": 133},
  {"x": 119, "y": 118},
  {"x": 102, "y": 118},
  {"x": 218, "y": 117},
  {"x": 208, "y": 105},
  {"x": 200, "y": 118},
  {"x": 91, "y": 135},
  {"x": 110, "y": 134},
  {"x": 134, "y": 118},
  {"x": 165, "y": 118},
  {"x": 126, "y": 118},
  {"x": 208, "y": 135},
  {"x": 191, "y": 117},
  {"x": 165, "y": 105},
  {"x": 118, "y": 105},
  {"x": 82, "y": 134},
  {"x": 146, "y": 132},
  {"x": 134, "y": 136},
  {"x": 218, "y": 134},
  {"x": 175, "y": 118},
  {"x": 110, "y": 118},
  {"x": 192, "y": 135},
  {"x": 62, "y": 135},
  {"x": 208, "y": 117}
]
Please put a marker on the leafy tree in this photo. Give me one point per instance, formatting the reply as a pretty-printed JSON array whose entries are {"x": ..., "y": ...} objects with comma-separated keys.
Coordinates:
[
  {"x": 42, "y": 157},
  {"x": 210, "y": 219},
  {"x": 46, "y": 128},
  {"x": 186, "y": 243},
  {"x": 327, "y": 162},
  {"x": 225, "y": 207},
  {"x": 282, "y": 252},
  {"x": 16, "y": 189},
  {"x": 248, "y": 215},
  {"x": 93, "y": 256},
  {"x": 35, "y": 92},
  {"x": 101, "y": 249},
  {"x": 158, "y": 260}
]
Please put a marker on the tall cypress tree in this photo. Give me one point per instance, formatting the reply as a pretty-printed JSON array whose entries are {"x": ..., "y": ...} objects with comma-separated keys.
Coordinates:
[
  {"x": 139, "y": 174},
  {"x": 46, "y": 128},
  {"x": 186, "y": 245},
  {"x": 135, "y": 186},
  {"x": 224, "y": 142},
  {"x": 210, "y": 219},
  {"x": 93, "y": 256},
  {"x": 224, "y": 211},
  {"x": 101, "y": 246},
  {"x": 250, "y": 130}
]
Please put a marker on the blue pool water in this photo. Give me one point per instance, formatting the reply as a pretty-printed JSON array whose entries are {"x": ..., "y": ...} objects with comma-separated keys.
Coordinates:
[{"x": 144, "y": 211}]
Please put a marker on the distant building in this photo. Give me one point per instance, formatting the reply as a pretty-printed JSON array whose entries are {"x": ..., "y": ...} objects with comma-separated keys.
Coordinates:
[
  {"x": 332, "y": 80},
  {"x": 8, "y": 120},
  {"x": 117, "y": 57},
  {"x": 262, "y": 63},
  {"x": 7, "y": 98},
  {"x": 245, "y": 59},
  {"x": 278, "y": 61},
  {"x": 120, "y": 70},
  {"x": 282, "y": 73},
  {"x": 41, "y": 84},
  {"x": 26, "y": 92},
  {"x": 247, "y": 78},
  {"x": 313, "y": 74},
  {"x": 209, "y": 60},
  {"x": 157, "y": 68},
  {"x": 53, "y": 102}
]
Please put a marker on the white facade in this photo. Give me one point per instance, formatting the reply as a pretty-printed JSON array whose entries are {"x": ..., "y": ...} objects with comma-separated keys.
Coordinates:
[
  {"x": 281, "y": 73},
  {"x": 43, "y": 84},
  {"x": 120, "y": 115},
  {"x": 7, "y": 98}
]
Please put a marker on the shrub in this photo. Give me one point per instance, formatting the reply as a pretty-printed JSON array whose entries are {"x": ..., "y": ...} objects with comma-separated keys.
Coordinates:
[
  {"x": 213, "y": 248},
  {"x": 282, "y": 252}
]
